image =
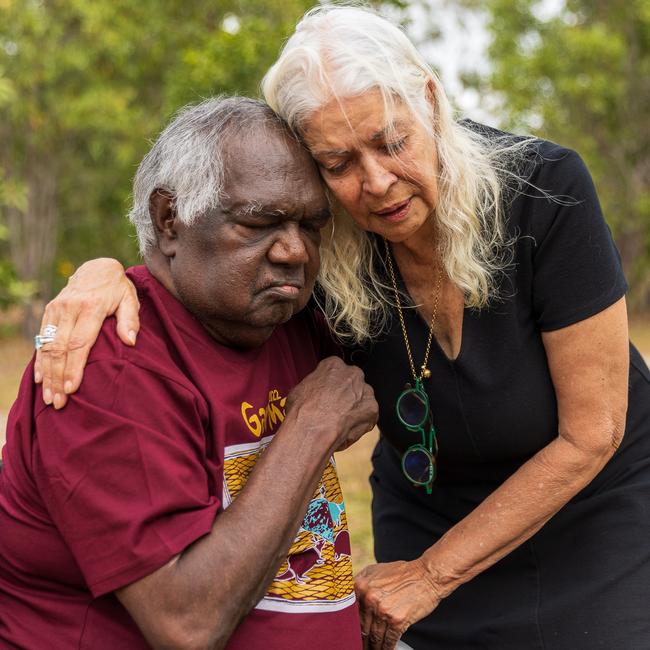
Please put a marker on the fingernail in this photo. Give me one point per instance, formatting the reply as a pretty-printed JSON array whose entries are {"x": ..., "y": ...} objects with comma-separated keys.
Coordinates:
[
  {"x": 67, "y": 387},
  {"x": 47, "y": 396},
  {"x": 58, "y": 401},
  {"x": 38, "y": 377},
  {"x": 132, "y": 337}
]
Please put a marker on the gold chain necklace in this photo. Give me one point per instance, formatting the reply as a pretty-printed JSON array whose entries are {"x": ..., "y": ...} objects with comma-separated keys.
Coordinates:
[{"x": 425, "y": 373}]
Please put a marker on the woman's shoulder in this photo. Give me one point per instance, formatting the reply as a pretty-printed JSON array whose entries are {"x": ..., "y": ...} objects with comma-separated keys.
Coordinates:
[{"x": 531, "y": 157}]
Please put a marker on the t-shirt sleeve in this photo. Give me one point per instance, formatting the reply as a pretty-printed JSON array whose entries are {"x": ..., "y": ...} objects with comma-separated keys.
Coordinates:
[
  {"x": 122, "y": 471},
  {"x": 576, "y": 267}
]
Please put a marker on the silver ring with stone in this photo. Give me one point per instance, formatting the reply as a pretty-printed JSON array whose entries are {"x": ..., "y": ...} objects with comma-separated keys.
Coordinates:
[{"x": 49, "y": 332}]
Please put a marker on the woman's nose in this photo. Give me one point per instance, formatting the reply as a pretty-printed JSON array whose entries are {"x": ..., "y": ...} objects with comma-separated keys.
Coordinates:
[{"x": 377, "y": 179}]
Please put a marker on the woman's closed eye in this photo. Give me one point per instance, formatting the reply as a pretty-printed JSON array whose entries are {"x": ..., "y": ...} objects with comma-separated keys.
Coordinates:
[
  {"x": 338, "y": 168},
  {"x": 393, "y": 148}
]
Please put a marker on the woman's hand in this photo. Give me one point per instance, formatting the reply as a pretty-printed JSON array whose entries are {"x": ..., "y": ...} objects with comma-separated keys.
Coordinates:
[
  {"x": 98, "y": 289},
  {"x": 393, "y": 596}
]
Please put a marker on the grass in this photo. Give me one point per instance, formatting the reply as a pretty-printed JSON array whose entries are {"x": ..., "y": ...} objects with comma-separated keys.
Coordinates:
[
  {"x": 354, "y": 467},
  {"x": 15, "y": 353},
  {"x": 353, "y": 464},
  {"x": 640, "y": 334}
]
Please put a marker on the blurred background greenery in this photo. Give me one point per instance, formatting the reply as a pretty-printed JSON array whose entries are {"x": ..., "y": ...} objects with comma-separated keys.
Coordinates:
[{"x": 86, "y": 85}]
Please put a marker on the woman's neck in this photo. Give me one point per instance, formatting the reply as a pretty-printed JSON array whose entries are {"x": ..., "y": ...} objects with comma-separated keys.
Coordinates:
[{"x": 419, "y": 250}]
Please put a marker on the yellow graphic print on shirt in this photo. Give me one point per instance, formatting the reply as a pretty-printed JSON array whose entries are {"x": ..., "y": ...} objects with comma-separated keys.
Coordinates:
[
  {"x": 317, "y": 574},
  {"x": 265, "y": 418}
]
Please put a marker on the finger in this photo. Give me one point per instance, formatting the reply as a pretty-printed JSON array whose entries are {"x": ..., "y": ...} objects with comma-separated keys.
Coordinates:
[
  {"x": 46, "y": 362},
  {"x": 38, "y": 368},
  {"x": 57, "y": 352},
  {"x": 365, "y": 614},
  {"x": 391, "y": 637},
  {"x": 51, "y": 316},
  {"x": 127, "y": 314},
  {"x": 81, "y": 341},
  {"x": 377, "y": 634}
]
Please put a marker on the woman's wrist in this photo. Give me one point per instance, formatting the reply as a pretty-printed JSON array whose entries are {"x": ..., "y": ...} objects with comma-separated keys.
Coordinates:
[{"x": 441, "y": 578}]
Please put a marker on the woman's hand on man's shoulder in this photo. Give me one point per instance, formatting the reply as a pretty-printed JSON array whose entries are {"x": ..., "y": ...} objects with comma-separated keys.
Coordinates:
[{"x": 98, "y": 289}]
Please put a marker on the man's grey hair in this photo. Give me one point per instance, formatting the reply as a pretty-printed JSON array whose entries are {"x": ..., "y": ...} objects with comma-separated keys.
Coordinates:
[{"x": 187, "y": 160}]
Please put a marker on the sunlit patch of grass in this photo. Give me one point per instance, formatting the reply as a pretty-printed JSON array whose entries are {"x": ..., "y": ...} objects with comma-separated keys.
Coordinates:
[
  {"x": 640, "y": 334},
  {"x": 15, "y": 353},
  {"x": 354, "y": 469}
]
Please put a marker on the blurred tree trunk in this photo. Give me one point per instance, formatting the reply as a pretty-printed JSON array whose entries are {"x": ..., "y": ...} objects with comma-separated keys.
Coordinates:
[
  {"x": 84, "y": 87},
  {"x": 33, "y": 235}
]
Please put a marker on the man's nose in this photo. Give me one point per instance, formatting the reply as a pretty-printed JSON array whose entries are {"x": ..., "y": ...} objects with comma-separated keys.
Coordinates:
[
  {"x": 289, "y": 247},
  {"x": 377, "y": 179}
]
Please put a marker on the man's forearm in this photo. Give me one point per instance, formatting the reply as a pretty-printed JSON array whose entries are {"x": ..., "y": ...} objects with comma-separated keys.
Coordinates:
[{"x": 206, "y": 590}]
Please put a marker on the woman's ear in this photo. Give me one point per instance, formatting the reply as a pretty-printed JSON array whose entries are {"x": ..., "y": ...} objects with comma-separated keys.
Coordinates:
[
  {"x": 430, "y": 90},
  {"x": 162, "y": 211},
  {"x": 430, "y": 93},
  {"x": 432, "y": 99}
]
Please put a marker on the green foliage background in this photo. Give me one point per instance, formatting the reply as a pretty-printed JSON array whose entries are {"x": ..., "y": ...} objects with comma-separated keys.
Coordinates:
[
  {"x": 581, "y": 77},
  {"x": 84, "y": 88},
  {"x": 86, "y": 85}
]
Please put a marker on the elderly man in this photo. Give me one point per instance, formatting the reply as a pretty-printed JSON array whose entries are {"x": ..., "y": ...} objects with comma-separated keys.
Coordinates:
[{"x": 145, "y": 511}]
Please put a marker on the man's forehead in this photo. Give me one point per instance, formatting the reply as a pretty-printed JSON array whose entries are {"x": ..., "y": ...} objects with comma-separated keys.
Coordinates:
[
  {"x": 272, "y": 171},
  {"x": 262, "y": 148}
]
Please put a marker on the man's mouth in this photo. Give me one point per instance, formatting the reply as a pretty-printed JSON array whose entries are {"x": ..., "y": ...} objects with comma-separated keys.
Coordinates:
[
  {"x": 396, "y": 211},
  {"x": 285, "y": 288}
]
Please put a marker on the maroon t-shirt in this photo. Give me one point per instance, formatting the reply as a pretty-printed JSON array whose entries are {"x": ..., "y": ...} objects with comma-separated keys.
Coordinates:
[{"x": 159, "y": 440}]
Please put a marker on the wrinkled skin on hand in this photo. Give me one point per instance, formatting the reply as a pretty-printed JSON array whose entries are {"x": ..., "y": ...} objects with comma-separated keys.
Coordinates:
[
  {"x": 392, "y": 596},
  {"x": 98, "y": 289},
  {"x": 336, "y": 401}
]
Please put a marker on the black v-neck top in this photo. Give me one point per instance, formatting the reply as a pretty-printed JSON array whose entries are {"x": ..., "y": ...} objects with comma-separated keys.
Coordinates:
[
  {"x": 494, "y": 405},
  {"x": 583, "y": 581}
]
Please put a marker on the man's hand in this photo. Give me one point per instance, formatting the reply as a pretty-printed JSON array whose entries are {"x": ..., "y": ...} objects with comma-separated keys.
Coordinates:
[
  {"x": 392, "y": 597},
  {"x": 336, "y": 400},
  {"x": 331, "y": 407},
  {"x": 98, "y": 289}
]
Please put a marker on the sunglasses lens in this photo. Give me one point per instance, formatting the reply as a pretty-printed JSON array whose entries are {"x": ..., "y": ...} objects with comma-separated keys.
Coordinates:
[
  {"x": 417, "y": 465},
  {"x": 412, "y": 408}
]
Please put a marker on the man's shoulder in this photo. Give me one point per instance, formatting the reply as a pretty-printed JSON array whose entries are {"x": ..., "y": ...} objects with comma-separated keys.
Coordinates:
[{"x": 155, "y": 350}]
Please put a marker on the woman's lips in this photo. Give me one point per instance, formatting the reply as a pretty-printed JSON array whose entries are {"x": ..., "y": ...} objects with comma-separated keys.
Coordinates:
[{"x": 395, "y": 212}]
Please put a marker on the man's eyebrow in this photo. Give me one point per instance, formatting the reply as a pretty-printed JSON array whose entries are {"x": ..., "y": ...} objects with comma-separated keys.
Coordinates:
[{"x": 255, "y": 208}]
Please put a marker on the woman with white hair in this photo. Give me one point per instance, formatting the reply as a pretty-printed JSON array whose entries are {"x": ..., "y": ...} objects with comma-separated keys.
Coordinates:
[{"x": 471, "y": 275}]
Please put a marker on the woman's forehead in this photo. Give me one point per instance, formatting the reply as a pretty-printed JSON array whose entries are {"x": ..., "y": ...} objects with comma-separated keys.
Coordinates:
[{"x": 366, "y": 118}]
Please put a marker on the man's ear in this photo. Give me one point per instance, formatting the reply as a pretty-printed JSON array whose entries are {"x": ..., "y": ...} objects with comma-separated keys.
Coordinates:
[{"x": 163, "y": 217}]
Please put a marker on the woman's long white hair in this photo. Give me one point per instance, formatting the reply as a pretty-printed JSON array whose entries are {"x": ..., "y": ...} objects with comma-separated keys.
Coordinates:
[{"x": 345, "y": 51}]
